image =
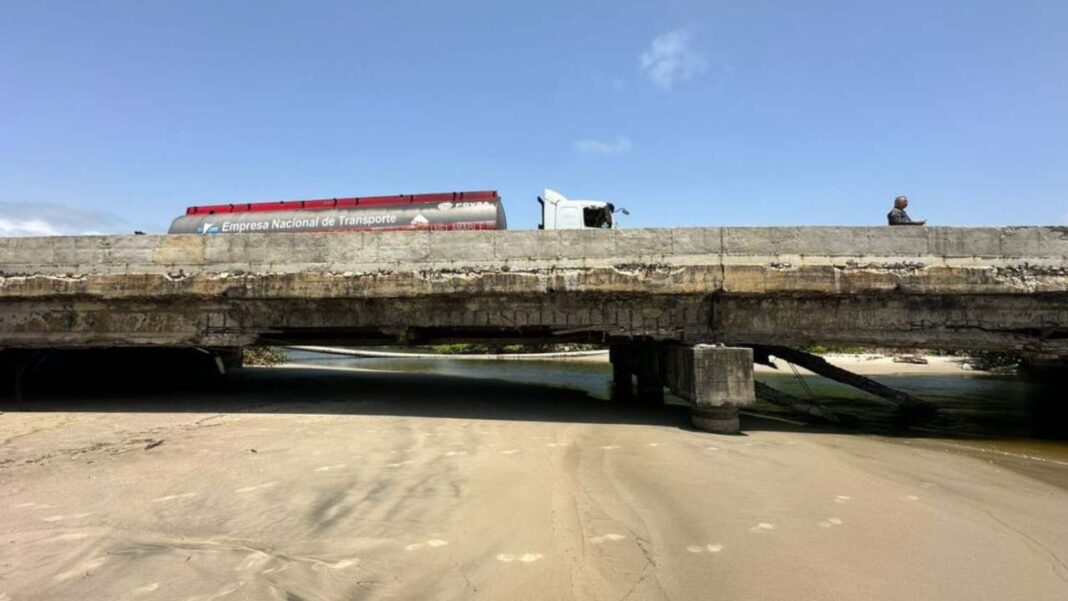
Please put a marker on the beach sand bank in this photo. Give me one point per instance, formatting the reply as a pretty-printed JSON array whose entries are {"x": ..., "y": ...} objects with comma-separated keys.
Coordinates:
[{"x": 306, "y": 483}]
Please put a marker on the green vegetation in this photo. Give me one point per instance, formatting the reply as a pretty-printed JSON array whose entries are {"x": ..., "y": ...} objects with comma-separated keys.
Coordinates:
[
  {"x": 993, "y": 361},
  {"x": 264, "y": 355},
  {"x": 468, "y": 348},
  {"x": 828, "y": 349}
]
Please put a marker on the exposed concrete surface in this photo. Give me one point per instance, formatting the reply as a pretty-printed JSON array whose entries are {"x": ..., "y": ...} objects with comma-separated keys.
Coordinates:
[
  {"x": 952, "y": 287},
  {"x": 388, "y": 486}
]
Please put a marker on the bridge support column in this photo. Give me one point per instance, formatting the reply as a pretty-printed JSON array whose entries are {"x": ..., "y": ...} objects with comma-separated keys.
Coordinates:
[
  {"x": 650, "y": 385},
  {"x": 716, "y": 380},
  {"x": 641, "y": 359},
  {"x": 622, "y": 371}
]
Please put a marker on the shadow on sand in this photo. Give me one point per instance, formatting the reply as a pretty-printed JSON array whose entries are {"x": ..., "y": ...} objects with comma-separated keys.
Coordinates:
[{"x": 139, "y": 381}]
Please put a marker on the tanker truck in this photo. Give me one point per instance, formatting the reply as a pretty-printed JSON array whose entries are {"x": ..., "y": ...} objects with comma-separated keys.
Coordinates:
[{"x": 477, "y": 210}]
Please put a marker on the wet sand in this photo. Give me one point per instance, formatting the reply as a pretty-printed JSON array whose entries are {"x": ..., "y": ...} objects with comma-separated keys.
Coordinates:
[{"x": 340, "y": 483}]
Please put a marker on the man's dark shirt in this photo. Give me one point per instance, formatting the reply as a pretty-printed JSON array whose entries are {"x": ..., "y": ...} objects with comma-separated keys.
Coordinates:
[{"x": 898, "y": 217}]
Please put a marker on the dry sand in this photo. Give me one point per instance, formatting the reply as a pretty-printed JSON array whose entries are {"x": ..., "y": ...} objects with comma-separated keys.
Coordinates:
[
  {"x": 870, "y": 364},
  {"x": 401, "y": 486}
]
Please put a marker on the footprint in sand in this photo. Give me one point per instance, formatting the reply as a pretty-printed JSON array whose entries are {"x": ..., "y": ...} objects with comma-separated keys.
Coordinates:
[
  {"x": 525, "y": 558},
  {"x": 610, "y": 537}
]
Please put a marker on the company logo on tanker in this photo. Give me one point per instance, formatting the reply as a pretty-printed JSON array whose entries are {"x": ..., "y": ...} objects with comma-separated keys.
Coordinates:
[
  {"x": 299, "y": 223},
  {"x": 445, "y": 206}
]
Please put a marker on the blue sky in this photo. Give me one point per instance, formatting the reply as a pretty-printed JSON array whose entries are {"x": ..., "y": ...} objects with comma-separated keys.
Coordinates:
[{"x": 117, "y": 115}]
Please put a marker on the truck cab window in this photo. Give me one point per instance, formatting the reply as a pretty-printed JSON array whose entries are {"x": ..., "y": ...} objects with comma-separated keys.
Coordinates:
[{"x": 598, "y": 217}]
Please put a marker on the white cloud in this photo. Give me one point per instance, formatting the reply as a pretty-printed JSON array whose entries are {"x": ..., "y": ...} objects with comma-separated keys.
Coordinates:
[
  {"x": 621, "y": 145},
  {"x": 19, "y": 219},
  {"x": 670, "y": 58},
  {"x": 26, "y": 227}
]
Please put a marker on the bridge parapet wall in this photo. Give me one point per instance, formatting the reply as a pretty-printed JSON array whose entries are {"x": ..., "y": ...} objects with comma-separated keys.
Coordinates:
[{"x": 671, "y": 261}]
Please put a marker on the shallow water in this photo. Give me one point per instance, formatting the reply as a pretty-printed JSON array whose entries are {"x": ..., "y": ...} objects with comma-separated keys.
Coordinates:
[{"x": 971, "y": 404}]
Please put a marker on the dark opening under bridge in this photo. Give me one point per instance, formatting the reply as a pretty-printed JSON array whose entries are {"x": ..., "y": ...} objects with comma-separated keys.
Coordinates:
[{"x": 673, "y": 291}]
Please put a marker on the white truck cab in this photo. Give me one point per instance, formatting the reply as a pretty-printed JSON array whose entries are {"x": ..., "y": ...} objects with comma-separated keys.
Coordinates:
[{"x": 561, "y": 213}]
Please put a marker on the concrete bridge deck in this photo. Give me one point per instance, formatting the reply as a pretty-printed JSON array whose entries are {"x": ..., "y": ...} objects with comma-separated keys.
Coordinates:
[{"x": 967, "y": 288}]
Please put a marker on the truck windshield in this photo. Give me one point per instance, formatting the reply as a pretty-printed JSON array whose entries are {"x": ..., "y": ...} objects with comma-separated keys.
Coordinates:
[{"x": 598, "y": 217}]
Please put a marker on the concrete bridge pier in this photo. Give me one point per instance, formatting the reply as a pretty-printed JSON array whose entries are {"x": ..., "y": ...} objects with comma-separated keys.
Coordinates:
[
  {"x": 716, "y": 380},
  {"x": 622, "y": 371}
]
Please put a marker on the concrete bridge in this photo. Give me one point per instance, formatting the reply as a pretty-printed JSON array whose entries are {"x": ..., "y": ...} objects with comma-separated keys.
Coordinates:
[{"x": 959, "y": 288}]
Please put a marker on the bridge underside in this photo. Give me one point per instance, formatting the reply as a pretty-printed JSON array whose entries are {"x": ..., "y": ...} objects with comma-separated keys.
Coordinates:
[{"x": 1005, "y": 322}]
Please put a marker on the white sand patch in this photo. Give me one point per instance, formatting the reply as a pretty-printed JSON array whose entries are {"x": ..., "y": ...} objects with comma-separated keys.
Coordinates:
[
  {"x": 525, "y": 558},
  {"x": 253, "y": 561},
  {"x": 148, "y": 588},
  {"x": 610, "y": 537},
  {"x": 337, "y": 565},
  {"x": 175, "y": 497},
  {"x": 256, "y": 487}
]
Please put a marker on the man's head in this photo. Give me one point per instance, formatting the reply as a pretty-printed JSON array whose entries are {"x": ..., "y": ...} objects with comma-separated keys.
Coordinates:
[{"x": 901, "y": 202}]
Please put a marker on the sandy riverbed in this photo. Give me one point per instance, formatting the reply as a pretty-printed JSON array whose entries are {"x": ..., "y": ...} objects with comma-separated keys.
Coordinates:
[{"x": 329, "y": 484}]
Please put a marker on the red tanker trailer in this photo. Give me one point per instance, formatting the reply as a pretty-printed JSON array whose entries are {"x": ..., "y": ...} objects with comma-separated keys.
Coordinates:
[{"x": 481, "y": 210}]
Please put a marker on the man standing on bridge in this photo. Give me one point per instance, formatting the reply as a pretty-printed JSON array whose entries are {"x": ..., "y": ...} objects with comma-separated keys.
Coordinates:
[{"x": 898, "y": 216}]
